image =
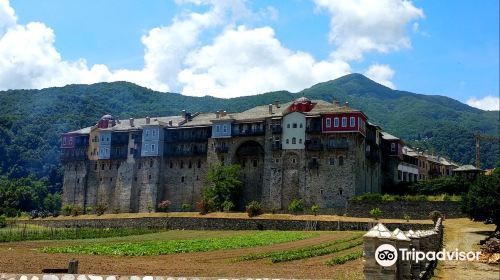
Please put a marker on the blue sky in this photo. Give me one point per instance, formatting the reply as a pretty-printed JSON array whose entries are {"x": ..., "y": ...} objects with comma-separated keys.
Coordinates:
[{"x": 199, "y": 47}]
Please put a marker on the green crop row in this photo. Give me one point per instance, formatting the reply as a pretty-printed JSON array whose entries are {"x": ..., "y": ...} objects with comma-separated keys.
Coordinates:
[
  {"x": 152, "y": 248},
  {"x": 251, "y": 257},
  {"x": 345, "y": 258},
  {"x": 25, "y": 233},
  {"x": 286, "y": 257}
]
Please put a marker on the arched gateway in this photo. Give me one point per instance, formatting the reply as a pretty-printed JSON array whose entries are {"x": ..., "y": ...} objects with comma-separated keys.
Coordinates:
[{"x": 250, "y": 156}]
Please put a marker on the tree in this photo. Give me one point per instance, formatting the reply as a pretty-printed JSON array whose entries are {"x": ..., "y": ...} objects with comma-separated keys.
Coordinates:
[
  {"x": 482, "y": 201},
  {"x": 223, "y": 184}
]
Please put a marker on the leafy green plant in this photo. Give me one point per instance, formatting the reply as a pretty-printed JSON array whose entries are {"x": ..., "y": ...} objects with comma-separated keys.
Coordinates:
[
  {"x": 406, "y": 217},
  {"x": 100, "y": 209},
  {"x": 150, "y": 207},
  {"x": 482, "y": 201},
  {"x": 3, "y": 221},
  {"x": 88, "y": 210},
  {"x": 185, "y": 207},
  {"x": 223, "y": 184},
  {"x": 67, "y": 209},
  {"x": 296, "y": 206},
  {"x": 274, "y": 210},
  {"x": 345, "y": 258},
  {"x": 116, "y": 210},
  {"x": 227, "y": 206},
  {"x": 164, "y": 247},
  {"x": 77, "y": 210},
  {"x": 315, "y": 209},
  {"x": 254, "y": 209},
  {"x": 292, "y": 256},
  {"x": 376, "y": 213},
  {"x": 435, "y": 215}
]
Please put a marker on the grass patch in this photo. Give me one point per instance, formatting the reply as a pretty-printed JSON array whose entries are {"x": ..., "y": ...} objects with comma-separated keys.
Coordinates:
[
  {"x": 153, "y": 248},
  {"x": 306, "y": 252},
  {"x": 345, "y": 258},
  {"x": 31, "y": 232}
]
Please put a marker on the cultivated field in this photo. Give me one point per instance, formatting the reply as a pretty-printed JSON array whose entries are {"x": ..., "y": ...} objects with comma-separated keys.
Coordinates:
[{"x": 283, "y": 254}]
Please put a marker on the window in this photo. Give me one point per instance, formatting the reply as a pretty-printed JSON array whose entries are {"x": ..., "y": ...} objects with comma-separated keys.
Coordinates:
[
  {"x": 332, "y": 161},
  {"x": 294, "y": 140},
  {"x": 344, "y": 121},
  {"x": 224, "y": 128},
  {"x": 182, "y": 179},
  {"x": 300, "y": 140},
  {"x": 393, "y": 147},
  {"x": 140, "y": 166},
  {"x": 399, "y": 175},
  {"x": 294, "y": 160},
  {"x": 111, "y": 179},
  {"x": 153, "y": 132},
  {"x": 254, "y": 163},
  {"x": 150, "y": 163},
  {"x": 149, "y": 177},
  {"x": 110, "y": 166},
  {"x": 294, "y": 125},
  {"x": 341, "y": 160},
  {"x": 340, "y": 191},
  {"x": 288, "y": 126},
  {"x": 360, "y": 123},
  {"x": 147, "y": 132},
  {"x": 171, "y": 164},
  {"x": 336, "y": 122},
  {"x": 300, "y": 125},
  {"x": 64, "y": 140},
  {"x": 182, "y": 164},
  {"x": 217, "y": 128},
  {"x": 321, "y": 191},
  {"x": 287, "y": 141},
  {"x": 95, "y": 166},
  {"x": 352, "y": 122},
  {"x": 131, "y": 151},
  {"x": 190, "y": 165},
  {"x": 328, "y": 122},
  {"x": 78, "y": 181},
  {"x": 199, "y": 164},
  {"x": 102, "y": 166}
]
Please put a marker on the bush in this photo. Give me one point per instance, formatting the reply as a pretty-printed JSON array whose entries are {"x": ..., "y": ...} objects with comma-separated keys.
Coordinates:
[
  {"x": 67, "y": 209},
  {"x": 388, "y": 198},
  {"x": 203, "y": 206},
  {"x": 435, "y": 215},
  {"x": 3, "y": 221},
  {"x": 164, "y": 205},
  {"x": 88, "y": 210},
  {"x": 296, "y": 206},
  {"x": 406, "y": 217},
  {"x": 374, "y": 197},
  {"x": 150, "y": 207},
  {"x": 100, "y": 209},
  {"x": 315, "y": 209},
  {"x": 481, "y": 202},
  {"x": 254, "y": 209},
  {"x": 185, "y": 207},
  {"x": 116, "y": 210},
  {"x": 77, "y": 210},
  {"x": 227, "y": 206},
  {"x": 376, "y": 213},
  {"x": 274, "y": 210}
]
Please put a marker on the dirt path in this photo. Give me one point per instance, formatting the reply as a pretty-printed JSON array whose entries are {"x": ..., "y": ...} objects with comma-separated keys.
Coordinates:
[
  {"x": 465, "y": 235},
  {"x": 23, "y": 257}
]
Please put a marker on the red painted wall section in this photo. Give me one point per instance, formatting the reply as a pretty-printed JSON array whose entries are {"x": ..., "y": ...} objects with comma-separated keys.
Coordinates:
[{"x": 348, "y": 128}]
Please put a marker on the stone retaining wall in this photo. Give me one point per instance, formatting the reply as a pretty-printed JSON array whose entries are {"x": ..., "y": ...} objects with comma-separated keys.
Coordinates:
[
  {"x": 190, "y": 223},
  {"x": 5, "y": 276},
  {"x": 397, "y": 209}
]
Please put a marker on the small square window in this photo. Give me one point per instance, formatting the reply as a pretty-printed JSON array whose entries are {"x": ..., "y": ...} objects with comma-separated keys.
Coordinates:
[
  {"x": 332, "y": 161},
  {"x": 328, "y": 122}
]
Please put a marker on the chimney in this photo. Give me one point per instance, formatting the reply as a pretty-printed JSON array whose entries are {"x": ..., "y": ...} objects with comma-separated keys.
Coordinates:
[
  {"x": 347, "y": 104},
  {"x": 148, "y": 120},
  {"x": 270, "y": 109},
  {"x": 337, "y": 103},
  {"x": 183, "y": 113},
  {"x": 131, "y": 120},
  {"x": 225, "y": 113},
  {"x": 217, "y": 114},
  {"x": 221, "y": 113},
  {"x": 277, "y": 103},
  {"x": 170, "y": 123}
]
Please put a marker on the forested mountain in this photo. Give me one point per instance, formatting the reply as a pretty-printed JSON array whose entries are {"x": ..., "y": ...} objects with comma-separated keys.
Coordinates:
[{"x": 32, "y": 120}]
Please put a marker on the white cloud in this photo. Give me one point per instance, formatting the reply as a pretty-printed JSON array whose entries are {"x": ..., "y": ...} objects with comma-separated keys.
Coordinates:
[
  {"x": 246, "y": 61},
  {"x": 381, "y": 74},
  {"x": 360, "y": 26},
  {"x": 239, "y": 60},
  {"x": 489, "y": 103}
]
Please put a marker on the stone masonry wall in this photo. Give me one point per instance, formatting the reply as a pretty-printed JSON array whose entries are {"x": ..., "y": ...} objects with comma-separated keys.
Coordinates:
[{"x": 397, "y": 209}]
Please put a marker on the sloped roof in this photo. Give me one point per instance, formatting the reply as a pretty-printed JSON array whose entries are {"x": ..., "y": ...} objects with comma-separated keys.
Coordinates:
[
  {"x": 467, "y": 167},
  {"x": 388, "y": 136}
]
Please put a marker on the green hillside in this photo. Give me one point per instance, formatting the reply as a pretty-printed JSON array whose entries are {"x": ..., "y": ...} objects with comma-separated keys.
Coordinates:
[{"x": 32, "y": 120}]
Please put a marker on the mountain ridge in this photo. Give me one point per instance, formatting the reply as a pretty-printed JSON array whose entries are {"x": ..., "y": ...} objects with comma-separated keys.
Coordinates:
[{"x": 32, "y": 120}]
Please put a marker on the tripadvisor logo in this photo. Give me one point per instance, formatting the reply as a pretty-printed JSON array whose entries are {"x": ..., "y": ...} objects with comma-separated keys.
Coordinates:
[{"x": 387, "y": 255}]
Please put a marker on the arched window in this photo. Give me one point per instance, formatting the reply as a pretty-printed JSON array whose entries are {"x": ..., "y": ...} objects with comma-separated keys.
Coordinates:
[
  {"x": 340, "y": 191},
  {"x": 341, "y": 160},
  {"x": 300, "y": 140},
  {"x": 294, "y": 140}
]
